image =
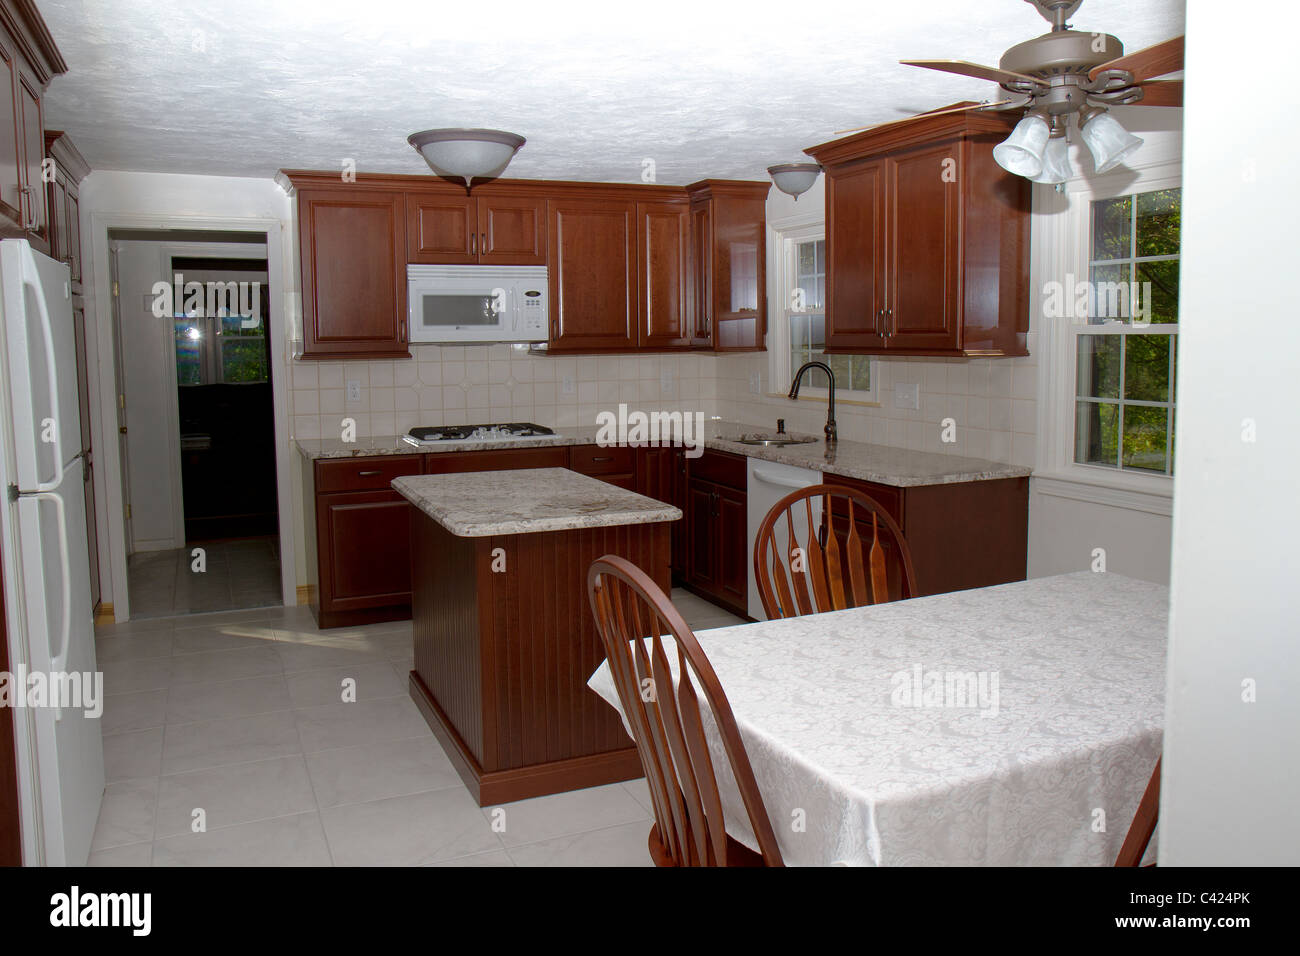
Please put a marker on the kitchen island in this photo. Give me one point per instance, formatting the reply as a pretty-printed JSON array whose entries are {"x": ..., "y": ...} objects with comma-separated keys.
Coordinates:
[{"x": 504, "y": 637}]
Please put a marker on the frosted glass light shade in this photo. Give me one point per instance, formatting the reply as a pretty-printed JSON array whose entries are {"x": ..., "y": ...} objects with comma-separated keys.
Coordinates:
[
  {"x": 1108, "y": 141},
  {"x": 467, "y": 153},
  {"x": 794, "y": 179},
  {"x": 1056, "y": 162},
  {"x": 1022, "y": 152}
]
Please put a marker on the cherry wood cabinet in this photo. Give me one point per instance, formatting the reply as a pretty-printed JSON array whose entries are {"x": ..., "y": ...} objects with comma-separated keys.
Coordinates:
[
  {"x": 962, "y": 535},
  {"x": 728, "y": 232},
  {"x": 632, "y": 267},
  {"x": 63, "y": 201},
  {"x": 617, "y": 466},
  {"x": 716, "y": 504},
  {"x": 663, "y": 275},
  {"x": 593, "y": 275},
  {"x": 452, "y": 230},
  {"x": 927, "y": 240},
  {"x": 661, "y": 474},
  {"x": 29, "y": 59},
  {"x": 353, "y": 265},
  {"x": 359, "y": 539}
]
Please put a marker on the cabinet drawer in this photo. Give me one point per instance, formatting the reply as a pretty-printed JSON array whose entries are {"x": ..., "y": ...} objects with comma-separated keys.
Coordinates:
[
  {"x": 721, "y": 467},
  {"x": 442, "y": 463},
  {"x": 595, "y": 460},
  {"x": 363, "y": 474}
]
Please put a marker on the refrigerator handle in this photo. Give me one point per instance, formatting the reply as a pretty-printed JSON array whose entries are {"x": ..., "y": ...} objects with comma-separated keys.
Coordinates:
[
  {"x": 32, "y": 280},
  {"x": 59, "y": 660}
]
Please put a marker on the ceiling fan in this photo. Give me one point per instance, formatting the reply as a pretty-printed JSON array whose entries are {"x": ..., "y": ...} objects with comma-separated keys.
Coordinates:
[{"x": 1065, "y": 73}]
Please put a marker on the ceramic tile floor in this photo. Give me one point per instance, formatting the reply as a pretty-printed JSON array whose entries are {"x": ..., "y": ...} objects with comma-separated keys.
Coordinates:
[
  {"x": 242, "y": 573},
  {"x": 238, "y": 715}
]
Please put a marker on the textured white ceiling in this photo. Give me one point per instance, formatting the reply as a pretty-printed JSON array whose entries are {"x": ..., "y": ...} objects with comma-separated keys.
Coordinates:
[{"x": 245, "y": 87}]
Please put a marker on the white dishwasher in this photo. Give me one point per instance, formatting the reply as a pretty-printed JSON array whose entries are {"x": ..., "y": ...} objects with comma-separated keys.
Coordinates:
[{"x": 767, "y": 483}]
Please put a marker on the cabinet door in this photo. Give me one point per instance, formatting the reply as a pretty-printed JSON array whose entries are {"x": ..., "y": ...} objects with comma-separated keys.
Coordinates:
[
  {"x": 57, "y": 190},
  {"x": 739, "y": 268},
  {"x": 364, "y": 541},
  {"x": 512, "y": 232},
  {"x": 441, "y": 230},
  {"x": 592, "y": 252},
  {"x": 700, "y": 506},
  {"x": 663, "y": 253},
  {"x": 32, "y": 125},
  {"x": 730, "y": 532},
  {"x": 353, "y": 249},
  {"x": 855, "y": 252},
  {"x": 924, "y": 235},
  {"x": 11, "y": 179},
  {"x": 661, "y": 474},
  {"x": 701, "y": 292},
  {"x": 73, "y": 218}
]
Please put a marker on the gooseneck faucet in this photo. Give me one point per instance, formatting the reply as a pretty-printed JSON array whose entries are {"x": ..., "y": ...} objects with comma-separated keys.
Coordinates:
[{"x": 831, "y": 434}]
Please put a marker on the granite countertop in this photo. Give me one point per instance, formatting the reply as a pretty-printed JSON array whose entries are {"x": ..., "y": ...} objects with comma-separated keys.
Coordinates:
[
  {"x": 525, "y": 501},
  {"x": 882, "y": 464}
]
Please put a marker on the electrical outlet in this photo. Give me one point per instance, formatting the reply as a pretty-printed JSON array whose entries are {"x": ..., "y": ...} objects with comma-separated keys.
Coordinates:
[
  {"x": 354, "y": 391},
  {"x": 566, "y": 385},
  {"x": 907, "y": 396},
  {"x": 756, "y": 382},
  {"x": 666, "y": 381}
]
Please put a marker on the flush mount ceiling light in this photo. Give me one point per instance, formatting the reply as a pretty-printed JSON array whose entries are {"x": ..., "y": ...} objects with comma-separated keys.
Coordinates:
[
  {"x": 467, "y": 154},
  {"x": 1067, "y": 73},
  {"x": 794, "y": 179}
]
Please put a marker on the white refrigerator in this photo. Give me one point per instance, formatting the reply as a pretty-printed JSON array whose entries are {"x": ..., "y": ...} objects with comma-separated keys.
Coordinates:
[{"x": 60, "y": 753}]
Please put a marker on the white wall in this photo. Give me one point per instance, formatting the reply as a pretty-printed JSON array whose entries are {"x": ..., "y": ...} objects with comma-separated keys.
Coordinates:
[{"x": 1230, "y": 785}]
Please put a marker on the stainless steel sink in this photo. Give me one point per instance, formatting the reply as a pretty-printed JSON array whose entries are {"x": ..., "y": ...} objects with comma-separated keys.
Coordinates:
[{"x": 778, "y": 442}]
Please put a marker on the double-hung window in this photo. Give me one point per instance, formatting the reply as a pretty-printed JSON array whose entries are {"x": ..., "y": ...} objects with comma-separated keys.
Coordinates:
[{"x": 799, "y": 334}]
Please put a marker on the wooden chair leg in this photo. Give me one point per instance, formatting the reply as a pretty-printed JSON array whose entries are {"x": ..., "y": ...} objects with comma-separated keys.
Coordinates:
[{"x": 1144, "y": 823}]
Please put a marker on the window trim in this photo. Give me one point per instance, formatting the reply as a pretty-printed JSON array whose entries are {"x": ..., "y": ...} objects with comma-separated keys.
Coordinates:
[
  {"x": 1063, "y": 248},
  {"x": 784, "y": 235}
]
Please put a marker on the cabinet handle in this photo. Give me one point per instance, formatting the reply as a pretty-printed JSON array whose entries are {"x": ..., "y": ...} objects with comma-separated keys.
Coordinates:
[
  {"x": 482, "y": 242},
  {"x": 367, "y": 474},
  {"x": 889, "y": 323},
  {"x": 31, "y": 218},
  {"x": 473, "y": 243},
  {"x": 606, "y": 458}
]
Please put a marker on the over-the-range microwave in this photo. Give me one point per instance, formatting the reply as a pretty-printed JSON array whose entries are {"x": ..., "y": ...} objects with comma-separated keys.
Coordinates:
[{"x": 463, "y": 304}]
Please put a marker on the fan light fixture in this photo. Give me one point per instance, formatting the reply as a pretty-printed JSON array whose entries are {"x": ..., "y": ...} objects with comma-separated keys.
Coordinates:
[
  {"x": 1108, "y": 141},
  {"x": 467, "y": 154},
  {"x": 794, "y": 179},
  {"x": 1022, "y": 152}
]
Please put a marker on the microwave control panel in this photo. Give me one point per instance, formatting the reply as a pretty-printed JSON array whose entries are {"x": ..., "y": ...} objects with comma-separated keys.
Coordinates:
[{"x": 532, "y": 311}]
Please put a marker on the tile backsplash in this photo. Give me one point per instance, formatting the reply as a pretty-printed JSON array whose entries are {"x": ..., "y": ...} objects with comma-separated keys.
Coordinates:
[
  {"x": 456, "y": 385},
  {"x": 992, "y": 402}
]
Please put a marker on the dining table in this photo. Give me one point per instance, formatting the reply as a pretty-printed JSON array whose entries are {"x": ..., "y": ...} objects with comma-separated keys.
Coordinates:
[{"x": 1014, "y": 725}]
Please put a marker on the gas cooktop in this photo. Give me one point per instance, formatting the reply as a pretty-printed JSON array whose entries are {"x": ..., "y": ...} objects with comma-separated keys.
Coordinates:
[{"x": 507, "y": 431}]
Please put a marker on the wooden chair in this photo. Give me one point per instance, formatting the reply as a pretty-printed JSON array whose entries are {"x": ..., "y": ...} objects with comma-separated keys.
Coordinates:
[
  {"x": 831, "y": 566},
  {"x": 1144, "y": 824},
  {"x": 632, "y": 612}
]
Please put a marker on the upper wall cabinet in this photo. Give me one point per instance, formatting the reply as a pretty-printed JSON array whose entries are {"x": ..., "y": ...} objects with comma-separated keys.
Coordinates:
[
  {"x": 28, "y": 61},
  {"x": 352, "y": 253},
  {"x": 593, "y": 275},
  {"x": 63, "y": 200},
  {"x": 729, "y": 264},
  {"x": 927, "y": 240},
  {"x": 632, "y": 267},
  {"x": 498, "y": 230}
]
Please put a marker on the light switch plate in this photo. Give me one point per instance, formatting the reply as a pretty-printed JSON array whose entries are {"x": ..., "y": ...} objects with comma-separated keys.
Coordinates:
[
  {"x": 666, "y": 381},
  {"x": 566, "y": 385},
  {"x": 354, "y": 391},
  {"x": 907, "y": 396},
  {"x": 756, "y": 382}
]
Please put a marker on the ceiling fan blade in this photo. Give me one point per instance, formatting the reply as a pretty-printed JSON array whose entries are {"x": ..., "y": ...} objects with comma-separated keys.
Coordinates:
[
  {"x": 953, "y": 109},
  {"x": 980, "y": 72},
  {"x": 1147, "y": 63},
  {"x": 1161, "y": 93}
]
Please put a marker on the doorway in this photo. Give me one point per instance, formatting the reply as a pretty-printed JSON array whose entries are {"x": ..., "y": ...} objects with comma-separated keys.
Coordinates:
[{"x": 196, "y": 418}]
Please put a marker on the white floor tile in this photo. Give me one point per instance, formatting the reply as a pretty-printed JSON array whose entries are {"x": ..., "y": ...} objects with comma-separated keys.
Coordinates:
[
  {"x": 325, "y": 686},
  {"x": 562, "y": 814},
  {"x": 623, "y": 845},
  {"x": 408, "y": 831},
  {"x": 213, "y": 743},
  {"x": 134, "y": 755},
  {"x": 331, "y": 726},
  {"x": 284, "y": 841},
  {"x": 375, "y": 771},
  {"x": 234, "y": 794},
  {"x": 126, "y": 814}
]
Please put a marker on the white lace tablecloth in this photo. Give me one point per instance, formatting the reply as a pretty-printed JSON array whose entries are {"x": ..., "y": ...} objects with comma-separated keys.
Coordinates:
[{"x": 855, "y": 768}]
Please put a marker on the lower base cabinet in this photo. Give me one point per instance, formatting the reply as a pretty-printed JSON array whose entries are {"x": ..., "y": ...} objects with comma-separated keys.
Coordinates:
[
  {"x": 716, "y": 503},
  {"x": 360, "y": 539}
]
